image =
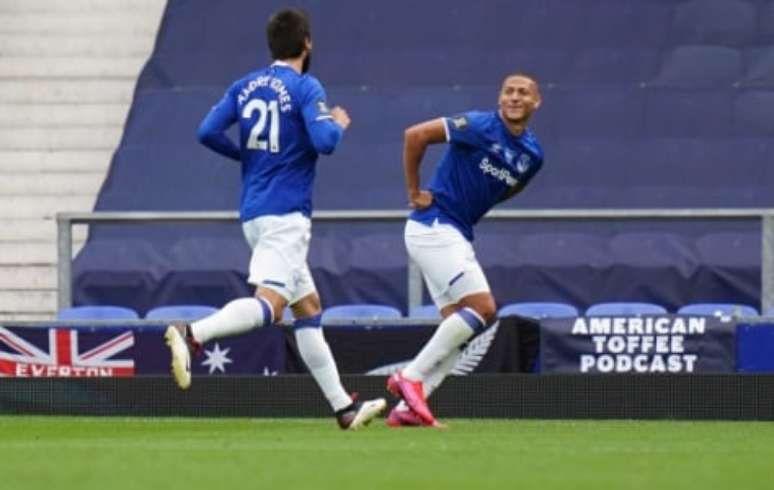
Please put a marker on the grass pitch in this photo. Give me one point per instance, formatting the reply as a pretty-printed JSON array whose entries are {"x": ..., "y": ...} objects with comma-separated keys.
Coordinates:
[{"x": 66, "y": 453}]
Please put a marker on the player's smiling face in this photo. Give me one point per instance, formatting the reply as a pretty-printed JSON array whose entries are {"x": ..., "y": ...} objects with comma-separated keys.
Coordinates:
[{"x": 519, "y": 97}]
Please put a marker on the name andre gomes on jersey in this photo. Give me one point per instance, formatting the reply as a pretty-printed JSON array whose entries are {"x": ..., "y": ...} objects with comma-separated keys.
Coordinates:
[
  {"x": 640, "y": 345},
  {"x": 266, "y": 81}
]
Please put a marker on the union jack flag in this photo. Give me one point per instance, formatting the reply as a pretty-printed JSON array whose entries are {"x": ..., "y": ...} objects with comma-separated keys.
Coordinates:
[{"x": 33, "y": 352}]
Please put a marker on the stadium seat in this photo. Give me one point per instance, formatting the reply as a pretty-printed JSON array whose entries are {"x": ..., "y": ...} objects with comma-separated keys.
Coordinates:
[
  {"x": 753, "y": 109},
  {"x": 180, "y": 312},
  {"x": 766, "y": 16},
  {"x": 760, "y": 65},
  {"x": 102, "y": 312},
  {"x": 612, "y": 65},
  {"x": 425, "y": 312},
  {"x": 695, "y": 66},
  {"x": 770, "y": 312},
  {"x": 625, "y": 308},
  {"x": 287, "y": 314},
  {"x": 365, "y": 311},
  {"x": 695, "y": 113},
  {"x": 726, "y": 248},
  {"x": 606, "y": 112},
  {"x": 726, "y": 22},
  {"x": 539, "y": 310},
  {"x": 718, "y": 309}
]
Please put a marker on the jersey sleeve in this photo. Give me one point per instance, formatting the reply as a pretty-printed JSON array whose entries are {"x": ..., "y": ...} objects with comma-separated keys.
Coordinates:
[
  {"x": 212, "y": 130},
  {"x": 464, "y": 129},
  {"x": 324, "y": 132}
]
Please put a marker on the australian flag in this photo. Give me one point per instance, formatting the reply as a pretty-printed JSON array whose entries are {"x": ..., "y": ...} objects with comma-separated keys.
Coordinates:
[{"x": 60, "y": 352}]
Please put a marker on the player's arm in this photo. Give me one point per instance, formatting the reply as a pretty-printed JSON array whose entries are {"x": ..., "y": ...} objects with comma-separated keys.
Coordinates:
[
  {"x": 212, "y": 130},
  {"x": 324, "y": 126},
  {"x": 416, "y": 139}
]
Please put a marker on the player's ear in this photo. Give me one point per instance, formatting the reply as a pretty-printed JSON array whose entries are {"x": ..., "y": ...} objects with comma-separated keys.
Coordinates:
[
  {"x": 308, "y": 43},
  {"x": 538, "y": 98}
]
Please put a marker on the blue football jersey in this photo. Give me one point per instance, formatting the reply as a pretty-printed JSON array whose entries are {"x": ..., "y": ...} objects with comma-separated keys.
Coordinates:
[
  {"x": 284, "y": 123},
  {"x": 483, "y": 161}
]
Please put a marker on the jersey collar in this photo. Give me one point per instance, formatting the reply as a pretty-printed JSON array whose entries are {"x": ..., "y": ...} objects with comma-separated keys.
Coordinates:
[{"x": 504, "y": 129}]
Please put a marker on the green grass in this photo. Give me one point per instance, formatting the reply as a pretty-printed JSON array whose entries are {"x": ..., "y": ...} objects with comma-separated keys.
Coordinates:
[{"x": 63, "y": 453}]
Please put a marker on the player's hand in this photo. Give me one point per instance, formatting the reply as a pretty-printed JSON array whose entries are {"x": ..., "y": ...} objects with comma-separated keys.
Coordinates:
[
  {"x": 420, "y": 199},
  {"x": 340, "y": 116}
]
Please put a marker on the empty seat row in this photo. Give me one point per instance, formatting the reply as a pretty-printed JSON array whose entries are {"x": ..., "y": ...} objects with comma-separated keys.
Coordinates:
[
  {"x": 111, "y": 312},
  {"x": 537, "y": 310},
  {"x": 562, "y": 310}
]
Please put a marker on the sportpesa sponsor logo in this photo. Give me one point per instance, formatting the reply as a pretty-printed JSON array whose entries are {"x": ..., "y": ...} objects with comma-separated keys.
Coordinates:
[{"x": 498, "y": 173}]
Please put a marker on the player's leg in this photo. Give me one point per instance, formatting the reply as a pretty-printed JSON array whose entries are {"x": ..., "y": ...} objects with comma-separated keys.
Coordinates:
[
  {"x": 459, "y": 287},
  {"x": 314, "y": 350},
  {"x": 477, "y": 312},
  {"x": 401, "y": 415},
  {"x": 269, "y": 272},
  {"x": 237, "y": 317}
]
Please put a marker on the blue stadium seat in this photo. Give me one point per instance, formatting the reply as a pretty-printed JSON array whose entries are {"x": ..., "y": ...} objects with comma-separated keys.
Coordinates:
[
  {"x": 101, "y": 312},
  {"x": 180, "y": 312},
  {"x": 753, "y": 110},
  {"x": 608, "y": 111},
  {"x": 364, "y": 311},
  {"x": 718, "y": 309},
  {"x": 700, "y": 66},
  {"x": 612, "y": 65},
  {"x": 760, "y": 65},
  {"x": 767, "y": 23},
  {"x": 539, "y": 310},
  {"x": 287, "y": 314},
  {"x": 727, "y": 22},
  {"x": 728, "y": 248},
  {"x": 625, "y": 308},
  {"x": 425, "y": 312},
  {"x": 693, "y": 112},
  {"x": 564, "y": 248}
]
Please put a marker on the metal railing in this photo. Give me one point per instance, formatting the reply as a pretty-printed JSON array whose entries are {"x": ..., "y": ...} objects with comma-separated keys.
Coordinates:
[{"x": 65, "y": 221}]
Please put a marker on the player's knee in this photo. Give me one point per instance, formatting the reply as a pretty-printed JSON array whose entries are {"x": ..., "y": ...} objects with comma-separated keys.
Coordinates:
[
  {"x": 488, "y": 310},
  {"x": 307, "y": 306},
  {"x": 274, "y": 300},
  {"x": 483, "y": 305}
]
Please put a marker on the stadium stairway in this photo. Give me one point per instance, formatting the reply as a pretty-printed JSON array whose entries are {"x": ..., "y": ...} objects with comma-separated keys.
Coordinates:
[{"x": 67, "y": 73}]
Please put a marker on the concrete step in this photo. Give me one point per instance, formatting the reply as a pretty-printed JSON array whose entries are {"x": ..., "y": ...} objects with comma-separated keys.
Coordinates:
[
  {"x": 27, "y": 253},
  {"x": 27, "y": 277},
  {"x": 94, "y": 45},
  {"x": 101, "y": 67},
  {"x": 34, "y": 161},
  {"x": 27, "y": 302},
  {"x": 18, "y": 116},
  {"x": 7, "y": 318},
  {"x": 31, "y": 252},
  {"x": 94, "y": 138},
  {"x": 38, "y": 252},
  {"x": 38, "y": 207},
  {"x": 139, "y": 23},
  {"x": 85, "y": 6},
  {"x": 23, "y": 230},
  {"x": 66, "y": 91},
  {"x": 51, "y": 184},
  {"x": 26, "y": 230}
]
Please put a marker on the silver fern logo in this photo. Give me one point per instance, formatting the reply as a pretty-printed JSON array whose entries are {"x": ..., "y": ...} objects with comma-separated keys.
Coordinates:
[{"x": 469, "y": 360}]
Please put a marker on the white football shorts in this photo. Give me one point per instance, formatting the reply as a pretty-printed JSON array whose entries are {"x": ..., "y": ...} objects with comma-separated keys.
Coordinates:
[
  {"x": 280, "y": 245},
  {"x": 447, "y": 261}
]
